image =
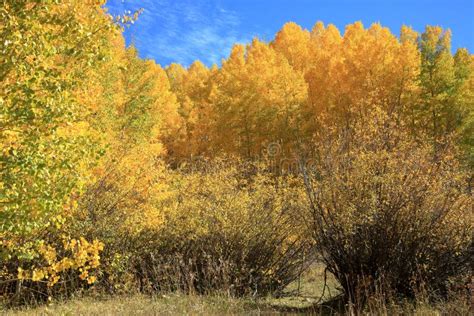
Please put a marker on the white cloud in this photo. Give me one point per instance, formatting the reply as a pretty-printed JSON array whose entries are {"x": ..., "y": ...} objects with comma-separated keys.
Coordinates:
[{"x": 182, "y": 31}]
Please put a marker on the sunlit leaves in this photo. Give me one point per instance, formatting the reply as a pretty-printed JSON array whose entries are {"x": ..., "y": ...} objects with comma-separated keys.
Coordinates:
[{"x": 47, "y": 48}]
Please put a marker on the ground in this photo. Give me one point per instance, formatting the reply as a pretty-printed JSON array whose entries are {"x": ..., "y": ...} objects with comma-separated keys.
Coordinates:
[{"x": 303, "y": 297}]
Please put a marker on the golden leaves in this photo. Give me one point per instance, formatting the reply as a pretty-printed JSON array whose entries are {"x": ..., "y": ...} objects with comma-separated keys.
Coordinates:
[{"x": 76, "y": 255}]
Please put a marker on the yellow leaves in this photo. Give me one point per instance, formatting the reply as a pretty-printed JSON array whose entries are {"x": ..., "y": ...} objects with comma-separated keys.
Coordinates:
[
  {"x": 38, "y": 275},
  {"x": 76, "y": 254},
  {"x": 135, "y": 187},
  {"x": 220, "y": 199},
  {"x": 91, "y": 279},
  {"x": 63, "y": 265},
  {"x": 408, "y": 35},
  {"x": 48, "y": 253},
  {"x": 293, "y": 42},
  {"x": 192, "y": 127},
  {"x": 84, "y": 274},
  {"x": 53, "y": 280},
  {"x": 289, "y": 92},
  {"x": 349, "y": 74},
  {"x": 21, "y": 275},
  {"x": 236, "y": 58},
  {"x": 256, "y": 100}
]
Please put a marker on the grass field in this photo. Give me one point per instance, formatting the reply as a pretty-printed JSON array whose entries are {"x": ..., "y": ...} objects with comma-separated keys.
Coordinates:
[{"x": 303, "y": 297}]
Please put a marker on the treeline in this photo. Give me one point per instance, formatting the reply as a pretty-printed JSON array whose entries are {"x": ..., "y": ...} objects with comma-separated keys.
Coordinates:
[
  {"x": 120, "y": 175},
  {"x": 289, "y": 90}
]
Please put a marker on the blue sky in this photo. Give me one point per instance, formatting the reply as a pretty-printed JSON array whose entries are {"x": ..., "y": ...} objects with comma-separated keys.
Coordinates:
[{"x": 185, "y": 30}]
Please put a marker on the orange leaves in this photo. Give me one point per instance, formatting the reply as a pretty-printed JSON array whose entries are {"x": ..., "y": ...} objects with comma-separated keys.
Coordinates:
[
  {"x": 258, "y": 94},
  {"x": 301, "y": 84},
  {"x": 351, "y": 72},
  {"x": 293, "y": 42},
  {"x": 192, "y": 87}
]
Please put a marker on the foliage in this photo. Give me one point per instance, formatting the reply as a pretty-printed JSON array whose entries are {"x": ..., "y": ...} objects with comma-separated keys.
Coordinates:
[
  {"x": 48, "y": 146},
  {"x": 108, "y": 156},
  {"x": 387, "y": 216},
  {"x": 223, "y": 227},
  {"x": 44, "y": 138},
  {"x": 287, "y": 91}
]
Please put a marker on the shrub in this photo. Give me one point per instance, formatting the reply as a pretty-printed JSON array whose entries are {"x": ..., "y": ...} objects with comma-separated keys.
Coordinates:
[
  {"x": 117, "y": 208},
  {"x": 46, "y": 145},
  {"x": 55, "y": 263},
  {"x": 221, "y": 227},
  {"x": 389, "y": 214},
  {"x": 233, "y": 230}
]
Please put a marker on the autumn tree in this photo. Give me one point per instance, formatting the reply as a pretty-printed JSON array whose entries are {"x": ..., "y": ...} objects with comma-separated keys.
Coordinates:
[
  {"x": 294, "y": 43},
  {"x": 445, "y": 101},
  {"x": 45, "y": 149},
  {"x": 464, "y": 74},
  {"x": 257, "y": 100},
  {"x": 363, "y": 67},
  {"x": 192, "y": 87},
  {"x": 144, "y": 117},
  {"x": 46, "y": 145}
]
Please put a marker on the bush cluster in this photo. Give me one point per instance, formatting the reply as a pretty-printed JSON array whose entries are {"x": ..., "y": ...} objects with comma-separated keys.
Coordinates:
[
  {"x": 357, "y": 148},
  {"x": 222, "y": 227},
  {"x": 389, "y": 216}
]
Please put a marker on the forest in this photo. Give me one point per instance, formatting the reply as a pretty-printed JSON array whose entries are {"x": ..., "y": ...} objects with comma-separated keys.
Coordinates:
[{"x": 352, "y": 149}]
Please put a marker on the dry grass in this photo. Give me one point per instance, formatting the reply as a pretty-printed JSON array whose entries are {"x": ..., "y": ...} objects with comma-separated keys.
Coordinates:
[
  {"x": 304, "y": 297},
  {"x": 145, "y": 305},
  {"x": 300, "y": 297}
]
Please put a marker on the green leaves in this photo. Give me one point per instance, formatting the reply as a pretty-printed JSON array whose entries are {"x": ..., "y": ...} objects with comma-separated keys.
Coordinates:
[{"x": 46, "y": 46}]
